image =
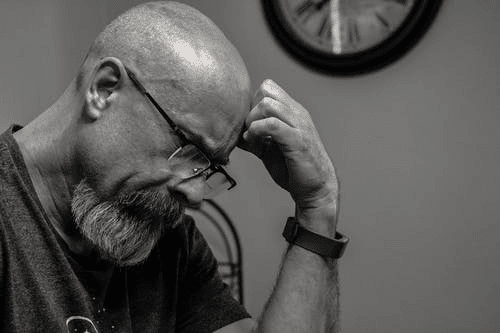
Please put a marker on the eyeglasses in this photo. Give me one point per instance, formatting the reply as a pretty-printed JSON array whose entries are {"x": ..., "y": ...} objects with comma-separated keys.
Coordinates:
[{"x": 188, "y": 161}]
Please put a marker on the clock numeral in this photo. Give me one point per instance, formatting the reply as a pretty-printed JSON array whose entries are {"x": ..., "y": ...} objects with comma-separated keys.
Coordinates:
[
  {"x": 308, "y": 8},
  {"x": 353, "y": 36},
  {"x": 382, "y": 20},
  {"x": 305, "y": 7},
  {"x": 305, "y": 10},
  {"x": 324, "y": 31}
]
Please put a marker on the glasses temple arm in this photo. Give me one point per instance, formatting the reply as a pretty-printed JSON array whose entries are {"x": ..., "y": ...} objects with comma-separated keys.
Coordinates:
[{"x": 143, "y": 91}]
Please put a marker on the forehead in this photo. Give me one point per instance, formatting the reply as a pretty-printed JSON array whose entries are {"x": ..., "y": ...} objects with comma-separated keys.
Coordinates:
[
  {"x": 208, "y": 100},
  {"x": 215, "y": 132},
  {"x": 213, "y": 121}
]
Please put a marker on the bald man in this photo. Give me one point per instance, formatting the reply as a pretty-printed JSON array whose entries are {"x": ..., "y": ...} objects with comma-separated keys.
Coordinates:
[{"x": 93, "y": 235}]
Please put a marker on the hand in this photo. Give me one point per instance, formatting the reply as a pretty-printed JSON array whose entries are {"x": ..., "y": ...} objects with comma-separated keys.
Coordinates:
[{"x": 281, "y": 133}]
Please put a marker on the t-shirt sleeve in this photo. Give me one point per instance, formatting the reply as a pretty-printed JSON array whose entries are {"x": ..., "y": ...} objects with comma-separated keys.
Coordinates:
[{"x": 205, "y": 302}]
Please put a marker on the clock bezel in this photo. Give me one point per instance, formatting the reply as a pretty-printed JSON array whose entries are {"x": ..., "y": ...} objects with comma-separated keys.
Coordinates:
[{"x": 395, "y": 46}]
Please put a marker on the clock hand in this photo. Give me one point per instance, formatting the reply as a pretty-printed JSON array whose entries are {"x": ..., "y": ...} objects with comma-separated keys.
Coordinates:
[
  {"x": 308, "y": 5},
  {"x": 335, "y": 19}
]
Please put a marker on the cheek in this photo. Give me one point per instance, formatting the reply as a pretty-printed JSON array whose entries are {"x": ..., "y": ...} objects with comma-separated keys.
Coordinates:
[
  {"x": 125, "y": 162},
  {"x": 106, "y": 159},
  {"x": 121, "y": 145}
]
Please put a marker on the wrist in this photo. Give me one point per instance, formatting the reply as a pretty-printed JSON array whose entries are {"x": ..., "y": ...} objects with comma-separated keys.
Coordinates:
[
  {"x": 320, "y": 218},
  {"x": 324, "y": 246}
]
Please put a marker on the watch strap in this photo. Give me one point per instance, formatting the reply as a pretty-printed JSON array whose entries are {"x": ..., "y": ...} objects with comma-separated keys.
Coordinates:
[{"x": 294, "y": 233}]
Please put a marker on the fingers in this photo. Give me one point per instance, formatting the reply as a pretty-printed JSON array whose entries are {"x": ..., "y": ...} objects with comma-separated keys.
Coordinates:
[
  {"x": 269, "y": 128},
  {"x": 269, "y": 88},
  {"x": 270, "y": 100},
  {"x": 269, "y": 107},
  {"x": 275, "y": 117},
  {"x": 278, "y": 116},
  {"x": 262, "y": 133}
]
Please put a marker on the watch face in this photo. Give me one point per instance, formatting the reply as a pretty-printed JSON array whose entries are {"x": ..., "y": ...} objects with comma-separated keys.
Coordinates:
[{"x": 349, "y": 35}]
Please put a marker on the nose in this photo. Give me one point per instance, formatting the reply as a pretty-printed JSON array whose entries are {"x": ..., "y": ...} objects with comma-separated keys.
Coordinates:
[{"x": 192, "y": 191}]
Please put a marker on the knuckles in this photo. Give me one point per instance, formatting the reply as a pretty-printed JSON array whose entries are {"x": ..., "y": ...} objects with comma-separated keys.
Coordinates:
[
  {"x": 266, "y": 105},
  {"x": 273, "y": 124}
]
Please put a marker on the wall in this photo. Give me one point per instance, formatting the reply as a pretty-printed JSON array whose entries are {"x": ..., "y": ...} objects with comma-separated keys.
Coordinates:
[
  {"x": 416, "y": 146},
  {"x": 42, "y": 45}
]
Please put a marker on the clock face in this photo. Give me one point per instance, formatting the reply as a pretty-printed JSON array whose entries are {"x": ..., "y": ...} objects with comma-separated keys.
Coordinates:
[
  {"x": 345, "y": 26},
  {"x": 357, "y": 34}
]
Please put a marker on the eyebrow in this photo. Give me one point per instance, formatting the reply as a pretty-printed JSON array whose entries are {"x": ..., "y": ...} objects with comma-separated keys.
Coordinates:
[{"x": 216, "y": 156}]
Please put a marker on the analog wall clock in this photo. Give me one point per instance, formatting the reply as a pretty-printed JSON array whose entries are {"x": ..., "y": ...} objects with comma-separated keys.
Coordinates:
[{"x": 348, "y": 37}]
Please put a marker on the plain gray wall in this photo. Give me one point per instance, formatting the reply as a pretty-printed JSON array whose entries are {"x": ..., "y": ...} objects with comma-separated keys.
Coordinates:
[{"x": 416, "y": 145}]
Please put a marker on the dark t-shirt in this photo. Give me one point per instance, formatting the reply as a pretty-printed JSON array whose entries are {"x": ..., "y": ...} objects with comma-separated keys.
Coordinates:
[{"x": 46, "y": 288}]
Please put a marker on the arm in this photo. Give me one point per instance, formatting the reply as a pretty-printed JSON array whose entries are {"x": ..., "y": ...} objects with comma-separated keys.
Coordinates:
[{"x": 280, "y": 132}]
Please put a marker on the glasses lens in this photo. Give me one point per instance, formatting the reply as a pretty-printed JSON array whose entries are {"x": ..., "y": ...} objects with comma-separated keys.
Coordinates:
[
  {"x": 188, "y": 161},
  {"x": 215, "y": 183}
]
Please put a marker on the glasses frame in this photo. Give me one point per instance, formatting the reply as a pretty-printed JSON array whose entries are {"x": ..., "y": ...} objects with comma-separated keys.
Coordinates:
[{"x": 214, "y": 167}]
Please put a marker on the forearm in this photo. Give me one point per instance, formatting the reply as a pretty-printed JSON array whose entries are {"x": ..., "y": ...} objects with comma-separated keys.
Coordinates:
[
  {"x": 281, "y": 133},
  {"x": 305, "y": 298}
]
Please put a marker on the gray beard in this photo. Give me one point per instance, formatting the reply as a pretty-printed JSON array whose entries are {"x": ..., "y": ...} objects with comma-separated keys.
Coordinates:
[{"x": 124, "y": 229}]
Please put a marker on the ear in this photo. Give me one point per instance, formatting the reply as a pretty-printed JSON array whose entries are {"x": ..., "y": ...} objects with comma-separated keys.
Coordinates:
[{"x": 106, "y": 80}]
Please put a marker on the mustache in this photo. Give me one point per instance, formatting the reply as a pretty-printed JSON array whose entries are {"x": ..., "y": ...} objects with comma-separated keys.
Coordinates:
[{"x": 151, "y": 204}]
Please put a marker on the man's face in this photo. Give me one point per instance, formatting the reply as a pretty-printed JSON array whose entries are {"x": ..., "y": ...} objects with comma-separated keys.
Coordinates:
[
  {"x": 125, "y": 229},
  {"x": 131, "y": 194}
]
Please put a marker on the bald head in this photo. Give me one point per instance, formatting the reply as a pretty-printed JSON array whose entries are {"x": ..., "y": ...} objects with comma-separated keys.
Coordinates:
[
  {"x": 184, "y": 60},
  {"x": 169, "y": 42}
]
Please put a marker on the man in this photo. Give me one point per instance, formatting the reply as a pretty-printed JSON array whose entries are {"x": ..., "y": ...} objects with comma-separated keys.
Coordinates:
[{"x": 92, "y": 228}]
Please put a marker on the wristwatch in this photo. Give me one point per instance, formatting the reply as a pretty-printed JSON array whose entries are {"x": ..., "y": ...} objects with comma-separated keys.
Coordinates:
[{"x": 294, "y": 233}]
